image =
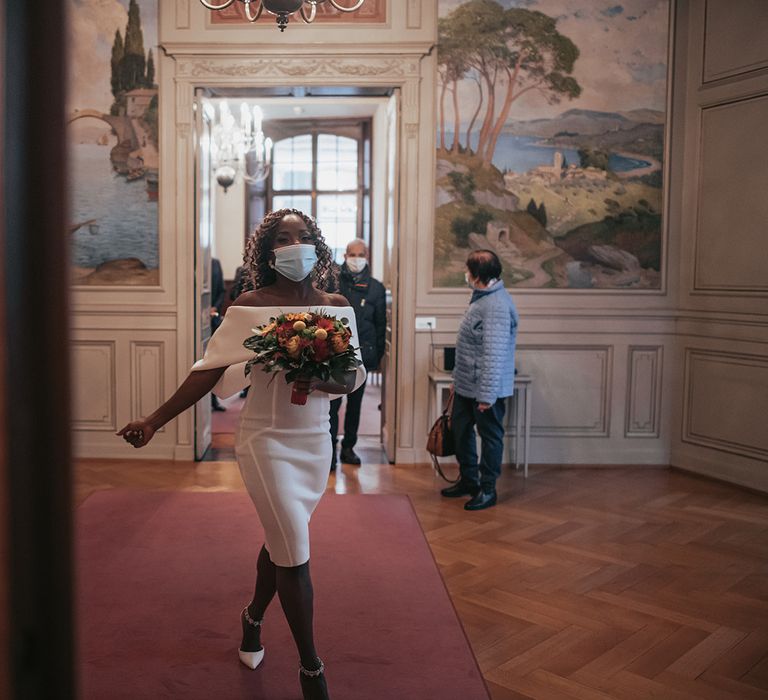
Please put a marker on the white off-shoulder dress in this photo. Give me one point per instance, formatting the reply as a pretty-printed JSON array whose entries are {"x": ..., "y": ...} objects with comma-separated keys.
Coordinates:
[{"x": 283, "y": 450}]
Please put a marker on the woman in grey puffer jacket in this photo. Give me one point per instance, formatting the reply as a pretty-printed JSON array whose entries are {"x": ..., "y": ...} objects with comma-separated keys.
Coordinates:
[{"x": 483, "y": 377}]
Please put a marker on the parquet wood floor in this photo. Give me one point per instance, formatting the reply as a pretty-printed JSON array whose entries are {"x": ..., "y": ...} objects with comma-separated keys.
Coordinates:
[{"x": 631, "y": 583}]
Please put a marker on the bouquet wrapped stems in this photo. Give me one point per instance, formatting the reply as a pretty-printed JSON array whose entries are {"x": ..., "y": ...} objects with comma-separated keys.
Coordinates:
[{"x": 299, "y": 397}]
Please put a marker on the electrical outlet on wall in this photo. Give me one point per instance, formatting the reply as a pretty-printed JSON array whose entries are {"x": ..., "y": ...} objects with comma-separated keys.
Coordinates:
[{"x": 424, "y": 323}]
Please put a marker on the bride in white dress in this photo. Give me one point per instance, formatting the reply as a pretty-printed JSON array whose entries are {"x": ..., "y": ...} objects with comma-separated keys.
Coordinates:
[{"x": 283, "y": 449}]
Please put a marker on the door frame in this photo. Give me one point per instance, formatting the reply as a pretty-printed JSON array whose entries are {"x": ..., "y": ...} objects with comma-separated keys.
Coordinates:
[{"x": 192, "y": 72}]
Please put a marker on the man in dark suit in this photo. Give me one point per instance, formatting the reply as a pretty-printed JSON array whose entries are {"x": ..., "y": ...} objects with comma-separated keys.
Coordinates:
[{"x": 367, "y": 297}]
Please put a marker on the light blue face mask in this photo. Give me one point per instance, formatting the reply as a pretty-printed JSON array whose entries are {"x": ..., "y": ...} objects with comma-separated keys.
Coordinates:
[{"x": 295, "y": 261}]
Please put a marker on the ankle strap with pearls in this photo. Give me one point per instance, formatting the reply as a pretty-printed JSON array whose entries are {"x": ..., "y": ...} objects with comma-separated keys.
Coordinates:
[
  {"x": 250, "y": 620},
  {"x": 316, "y": 672}
]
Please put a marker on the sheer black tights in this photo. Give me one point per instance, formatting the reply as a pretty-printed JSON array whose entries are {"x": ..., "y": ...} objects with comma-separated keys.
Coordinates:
[{"x": 293, "y": 585}]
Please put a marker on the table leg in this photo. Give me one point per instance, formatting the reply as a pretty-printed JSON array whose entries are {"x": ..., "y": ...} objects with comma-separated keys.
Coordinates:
[
  {"x": 528, "y": 402},
  {"x": 518, "y": 418}
]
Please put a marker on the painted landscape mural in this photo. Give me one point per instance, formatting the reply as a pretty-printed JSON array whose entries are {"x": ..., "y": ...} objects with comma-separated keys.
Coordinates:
[
  {"x": 113, "y": 142},
  {"x": 550, "y": 141}
]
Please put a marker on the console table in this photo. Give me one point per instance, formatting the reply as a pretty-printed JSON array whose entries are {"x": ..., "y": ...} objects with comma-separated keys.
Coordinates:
[{"x": 519, "y": 405}]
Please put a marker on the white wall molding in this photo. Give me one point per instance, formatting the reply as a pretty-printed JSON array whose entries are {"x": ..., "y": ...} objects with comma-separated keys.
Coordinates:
[
  {"x": 94, "y": 383},
  {"x": 734, "y": 43},
  {"x": 619, "y": 354},
  {"x": 348, "y": 68},
  {"x": 182, "y": 14},
  {"x": 731, "y": 209},
  {"x": 726, "y": 401},
  {"x": 643, "y": 410},
  {"x": 147, "y": 377},
  {"x": 572, "y": 388},
  {"x": 721, "y": 343}
]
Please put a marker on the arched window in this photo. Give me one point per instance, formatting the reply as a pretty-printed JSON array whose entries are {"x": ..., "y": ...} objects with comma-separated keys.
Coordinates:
[{"x": 324, "y": 170}]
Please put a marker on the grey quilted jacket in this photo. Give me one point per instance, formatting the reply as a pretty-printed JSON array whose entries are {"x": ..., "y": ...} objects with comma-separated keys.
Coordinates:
[{"x": 485, "y": 346}]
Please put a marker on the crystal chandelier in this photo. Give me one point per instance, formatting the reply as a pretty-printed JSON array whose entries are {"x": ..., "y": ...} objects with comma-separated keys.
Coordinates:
[
  {"x": 238, "y": 147},
  {"x": 282, "y": 9}
]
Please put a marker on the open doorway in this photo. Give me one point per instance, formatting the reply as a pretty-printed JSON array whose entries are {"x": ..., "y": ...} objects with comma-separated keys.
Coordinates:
[{"x": 330, "y": 159}]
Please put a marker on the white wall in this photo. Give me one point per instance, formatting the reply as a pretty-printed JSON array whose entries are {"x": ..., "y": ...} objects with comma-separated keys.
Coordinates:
[
  {"x": 133, "y": 346},
  {"x": 229, "y": 233},
  {"x": 677, "y": 374}
]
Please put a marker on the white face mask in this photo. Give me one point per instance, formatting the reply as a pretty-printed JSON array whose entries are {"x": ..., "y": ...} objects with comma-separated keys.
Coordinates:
[
  {"x": 356, "y": 265},
  {"x": 295, "y": 261}
]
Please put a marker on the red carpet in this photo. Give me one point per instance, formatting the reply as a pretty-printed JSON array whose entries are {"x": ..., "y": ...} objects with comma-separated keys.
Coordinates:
[{"x": 163, "y": 577}]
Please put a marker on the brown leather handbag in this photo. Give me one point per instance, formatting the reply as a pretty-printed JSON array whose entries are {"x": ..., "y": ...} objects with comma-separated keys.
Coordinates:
[{"x": 440, "y": 439}]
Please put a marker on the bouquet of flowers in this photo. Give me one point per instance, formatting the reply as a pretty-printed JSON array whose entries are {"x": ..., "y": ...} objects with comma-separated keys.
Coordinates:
[{"x": 303, "y": 345}]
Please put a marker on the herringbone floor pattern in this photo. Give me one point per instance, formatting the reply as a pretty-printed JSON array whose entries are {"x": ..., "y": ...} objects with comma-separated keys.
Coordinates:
[{"x": 631, "y": 583}]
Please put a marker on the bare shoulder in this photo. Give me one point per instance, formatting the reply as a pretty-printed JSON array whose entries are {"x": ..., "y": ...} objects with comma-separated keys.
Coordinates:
[
  {"x": 255, "y": 297},
  {"x": 336, "y": 300}
]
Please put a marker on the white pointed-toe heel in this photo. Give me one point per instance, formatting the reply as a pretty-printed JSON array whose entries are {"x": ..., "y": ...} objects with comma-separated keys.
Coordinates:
[{"x": 250, "y": 658}]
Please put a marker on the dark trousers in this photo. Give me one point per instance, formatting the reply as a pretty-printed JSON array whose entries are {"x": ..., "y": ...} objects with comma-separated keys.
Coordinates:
[
  {"x": 490, "y": 427},
  {"x": 351, "y": 418}
]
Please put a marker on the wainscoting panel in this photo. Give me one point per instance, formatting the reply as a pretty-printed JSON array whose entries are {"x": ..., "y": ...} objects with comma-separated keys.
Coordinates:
[
  {"x": 726, "y": 402},
  {"x": 94, "y": 385},
  {"x": 121, "y": 375},
  {"x": 147, "y": 377},
  {"x": 730, "y": 251},
  {"x": 572, "y": 389},
  {"x": 643, "y": 392},
  {"x": 734, "y": 38}
]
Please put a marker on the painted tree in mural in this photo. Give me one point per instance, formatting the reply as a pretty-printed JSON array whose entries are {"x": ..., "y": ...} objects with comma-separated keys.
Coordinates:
[
  {"x": 118, "y": 50},
  {"x": 133, "y": 64},
  {"x": 508, "y": 53},
  {"x": 150, "y": 79},
  {"x": 130, "y": 68}
]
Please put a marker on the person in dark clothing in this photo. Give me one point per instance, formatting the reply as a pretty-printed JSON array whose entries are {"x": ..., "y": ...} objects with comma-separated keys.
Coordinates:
[
  {"x": 217, "y": 311},
  {"x": 367, "y": 297},
  {"x": 242, "y": 283}
]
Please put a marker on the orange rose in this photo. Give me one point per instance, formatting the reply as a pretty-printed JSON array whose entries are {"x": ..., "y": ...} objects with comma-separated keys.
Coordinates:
[
  {"x": 339, "y": 343},
  {"x": 293, "y": 347}
]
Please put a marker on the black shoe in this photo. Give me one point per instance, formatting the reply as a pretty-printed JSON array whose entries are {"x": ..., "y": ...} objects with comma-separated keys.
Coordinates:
[
  {"x": 348, "y": 456},
  {"x": 484, "y": 499},
  {"x": 460, "y": 489},
  {"x": 313, "y": 685}
]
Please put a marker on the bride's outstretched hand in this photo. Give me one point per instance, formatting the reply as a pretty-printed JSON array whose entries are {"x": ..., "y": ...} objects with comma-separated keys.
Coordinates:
[{"x": 138, "y": 433}]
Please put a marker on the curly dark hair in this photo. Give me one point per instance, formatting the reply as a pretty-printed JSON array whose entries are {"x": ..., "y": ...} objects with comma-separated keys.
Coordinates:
[{"x": 258, "y": 250}]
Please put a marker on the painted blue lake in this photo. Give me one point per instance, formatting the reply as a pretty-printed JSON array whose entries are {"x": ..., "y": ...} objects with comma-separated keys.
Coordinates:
[
  {"x": 125, "y": 221},
  {"x": 520, "y": 154}
]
